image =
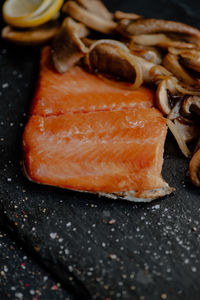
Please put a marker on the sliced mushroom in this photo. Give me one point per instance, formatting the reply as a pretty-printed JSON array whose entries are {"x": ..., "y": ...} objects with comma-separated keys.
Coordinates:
[
  {"x": 97, "y": 7},
  {"x": 89, "y": 19},
  {"x": 194, "y": 166},
  {"x": 144, "y": 26},
  {"x": 190, "y": 105},
  {"x": 120, "y": 15},
  {"x": 150, "y": 39},
  {"x": 191, "y": 60},
  {"x": 67, "y": 47},
  {"x": 180, "y": 51},
  {"x": 172, "y": 64},
  {"x": 106, "y": 59},
  {"x": 162, "y": 100},
  {"x": 189, "y": 131},
  {"x": 32, "y": 37},
  {"x": 150, "y": 54},
  {"x": 175, "y": 111},
  {"x": 161, "y": 40}
]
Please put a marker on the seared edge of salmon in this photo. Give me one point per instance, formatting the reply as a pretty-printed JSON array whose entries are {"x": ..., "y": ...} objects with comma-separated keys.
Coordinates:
[{"x": 133, "y": 196}]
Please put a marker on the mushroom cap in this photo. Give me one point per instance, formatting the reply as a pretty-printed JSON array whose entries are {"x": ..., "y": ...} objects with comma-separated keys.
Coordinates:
[
  {"x": 145, "y": 26},
  {"x": 171, "y": 63},
  {"x": 67, "y": 47},
  {"x": 162, "y": 101},
  {"x": 97, "y": 7},
  {"x": 34, "y": 37},
  {"x": 91, "y": 20},
  {"x": 191, "y": 60},
  {"x": 190, "y": 105}
]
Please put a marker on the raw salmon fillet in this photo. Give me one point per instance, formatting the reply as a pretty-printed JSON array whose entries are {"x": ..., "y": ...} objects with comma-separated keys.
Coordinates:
[{"x": 85, "y": 134}]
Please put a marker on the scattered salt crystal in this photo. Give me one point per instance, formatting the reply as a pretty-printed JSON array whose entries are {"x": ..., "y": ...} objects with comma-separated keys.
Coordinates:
[
  {"x": 70, "y": 268},
  {"x": 66, "y": 251},
  {"x": 53, "y": 235},
  {"x": 4, "y": 85},
  {"x": 5, "y": 269},
  {"x": 157, "y": 206},
  {"x": 113, "y": 256},
  {"x": 19, "y": 295},
  {"x": 32, "y": 292},
  {"x": 68, "y": 224},
  {"x": 194, "y": 269}
]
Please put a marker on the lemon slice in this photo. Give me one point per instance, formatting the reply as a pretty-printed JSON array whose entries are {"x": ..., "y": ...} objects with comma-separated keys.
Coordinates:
[
  {"x": 17, "y": 9},
  {"x": 30, "y": 13}
]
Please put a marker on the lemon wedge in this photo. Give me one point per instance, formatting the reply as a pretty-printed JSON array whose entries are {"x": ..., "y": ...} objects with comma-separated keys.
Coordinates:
[{"x": 30, "y": 13}]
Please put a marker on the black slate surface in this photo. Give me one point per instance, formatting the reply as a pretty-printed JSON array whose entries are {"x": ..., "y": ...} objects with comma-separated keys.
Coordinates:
[
  {"x": 96, "y": 247},
  {"x": 22, "y": 277}
]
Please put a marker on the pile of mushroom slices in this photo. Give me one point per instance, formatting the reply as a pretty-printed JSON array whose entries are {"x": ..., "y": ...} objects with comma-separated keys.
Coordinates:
[{"x": 162, "y": 54}]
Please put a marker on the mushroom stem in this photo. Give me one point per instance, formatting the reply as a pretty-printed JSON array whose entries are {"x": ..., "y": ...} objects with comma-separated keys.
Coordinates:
[{"x": 120, "y": 15}]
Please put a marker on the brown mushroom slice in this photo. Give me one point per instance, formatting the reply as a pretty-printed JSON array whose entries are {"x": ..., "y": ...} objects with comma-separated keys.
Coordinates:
[
  {"x": 188, "y": 130},
  {"x": 120, "y": 15},
  {"x": 150, "y": 39},
  {"x": 145, "y": 26},
  {"x": 179, "y": 51},
  {"x": 97, "y": 7},
  {"x": 89, "y": 19},
  {"x": 191, "y": 61},
  {"x": 67, "y": 47},
  {"x": 194, "y": 168},
  {"x": 190, "y": 105},
  {"x": 151, "y": 55},
  {"x": 172, "y": 64},
  {"x": 175, "y": 111},
  {"x": 161, "y": 40},
  {"x": 32, "y": 37},
  {"x": 106, "y": 59},
  {"x": 161, "y": 97},
  {"x": 178, "y": 137},
  {"x": 192, "y": 40}
]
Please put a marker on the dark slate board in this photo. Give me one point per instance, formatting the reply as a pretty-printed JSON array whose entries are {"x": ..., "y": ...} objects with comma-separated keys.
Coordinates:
[
  {"x": 150, "y": 252},
  {"x": 22, "y": 277}
]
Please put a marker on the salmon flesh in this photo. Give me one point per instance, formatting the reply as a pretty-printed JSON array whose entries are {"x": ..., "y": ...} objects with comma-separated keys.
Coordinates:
[{"x": 88, "y": 135}]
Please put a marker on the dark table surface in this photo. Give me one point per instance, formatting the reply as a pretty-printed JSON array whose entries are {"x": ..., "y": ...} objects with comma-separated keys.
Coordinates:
[{"x": 71, "y": 250}]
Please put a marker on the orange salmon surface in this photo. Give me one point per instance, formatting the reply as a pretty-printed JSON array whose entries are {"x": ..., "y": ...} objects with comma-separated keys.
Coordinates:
[{"x": 86, "y": 134}]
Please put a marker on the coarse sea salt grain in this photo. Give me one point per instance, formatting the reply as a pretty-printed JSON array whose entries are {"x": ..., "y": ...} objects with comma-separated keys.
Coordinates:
[
  {"x": 4, "y": 85},
  {"x": 53, "y": 235}
]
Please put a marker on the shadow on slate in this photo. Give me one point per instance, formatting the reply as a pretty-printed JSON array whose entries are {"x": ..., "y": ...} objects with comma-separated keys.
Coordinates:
[{"x": 98, "y": 247}]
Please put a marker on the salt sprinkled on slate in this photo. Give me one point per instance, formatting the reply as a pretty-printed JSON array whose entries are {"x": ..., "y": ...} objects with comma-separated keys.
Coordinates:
[{"x": 30, "y": 280}]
